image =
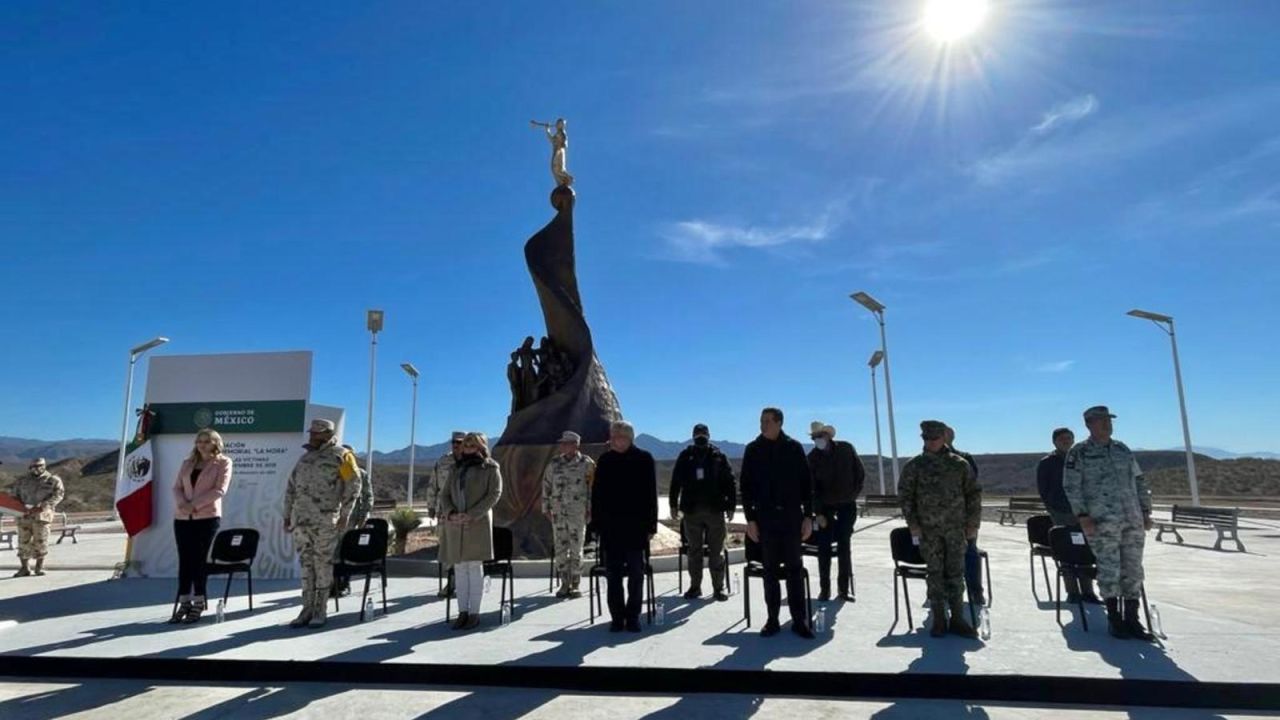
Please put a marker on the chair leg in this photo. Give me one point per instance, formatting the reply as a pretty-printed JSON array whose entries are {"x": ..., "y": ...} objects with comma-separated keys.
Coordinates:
[
  {"x": 906, "y": 595},
  {"x": 895, "y": 599},
  {"x": 1146, "y": 609},
  {"x": 364, "y": 596},
  {"x": 591, "y": 597},
  {"x": 1031, "y": 562},
  {"x": 382, "y": 573},
  {"x": 991, "y": 593},
  {"x": 746, "y": 599},
  {"x": 1057, "y": 598},
  {"x": 1044, "y": 565},
  {"x": 249, "y": 576},
  {"x": 808, "y": 594},
  {"x": 680, "y": 570},
  {"x": 226, "y": 591}
]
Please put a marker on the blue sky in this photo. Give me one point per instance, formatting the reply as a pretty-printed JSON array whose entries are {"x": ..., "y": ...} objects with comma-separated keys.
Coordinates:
[{"x": 254, "y": 177}]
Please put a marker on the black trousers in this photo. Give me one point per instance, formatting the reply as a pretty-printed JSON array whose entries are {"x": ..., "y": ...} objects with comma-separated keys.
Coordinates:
[
  {"x": 840, "y": 519},
  {"x": 780, "y": 546},
  {"x": 194, "y": 538},
  {"x": 617, "y": 563}
]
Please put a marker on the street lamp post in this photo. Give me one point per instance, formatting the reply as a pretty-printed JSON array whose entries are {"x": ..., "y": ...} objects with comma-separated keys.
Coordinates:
[
  {"x": 1165, "y": 323},
  {"x": 877, "y": 309},
  {"x": 413, "y": 422},
  {"x": 876, "y": 357},
  {"x": 134, "y": 354},
  {"x": 373, "y": 321}
]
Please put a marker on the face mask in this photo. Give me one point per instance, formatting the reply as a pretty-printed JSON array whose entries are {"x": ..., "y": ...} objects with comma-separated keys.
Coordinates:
[
  {"x": 821, "y": 443},
  {"x": 701, "y": 441}
]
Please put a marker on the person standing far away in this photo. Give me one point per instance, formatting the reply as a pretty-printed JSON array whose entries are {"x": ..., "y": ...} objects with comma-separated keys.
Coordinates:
[
  {"x": 318, "y": 499},
  {"x": 1049, "y": 484},
  {"x": 942, "y": 505},
  {"x": 777, "y": 499},
  {"x": 440, "y": 475},
  {"x": 703, "y": 498},
  {"x": 838, "y": 477},
  {"x": 566, "y": 501},
  {"x": 972, "y": 563},
  {"x": 624, "y": 513},
  {"x": 466, "y": 516},
  {"x": 1112, "y": 503},
  {"x": 39, "y": 491}
]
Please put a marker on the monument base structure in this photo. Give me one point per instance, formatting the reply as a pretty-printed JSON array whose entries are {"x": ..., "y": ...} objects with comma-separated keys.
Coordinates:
[{"x": 559, "y": 386}]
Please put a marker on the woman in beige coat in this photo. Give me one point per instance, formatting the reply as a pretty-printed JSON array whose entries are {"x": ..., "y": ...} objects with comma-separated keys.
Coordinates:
[{"x": 466, "y": 536}]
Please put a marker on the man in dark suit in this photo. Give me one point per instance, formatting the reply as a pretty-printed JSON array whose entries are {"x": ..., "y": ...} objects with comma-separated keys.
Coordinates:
[
  {"x": 777, "y": 499},
  {"x": 624, "y": 512}
]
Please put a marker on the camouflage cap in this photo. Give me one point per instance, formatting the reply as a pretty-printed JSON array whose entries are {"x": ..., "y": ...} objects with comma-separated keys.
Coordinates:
[
  {"x": 569, "y": 436},
  {"x": 1097, "y": 411},
  {"x": 457, "y": 436},
  {"x": 931, "y": 429},
  {"x": 701, "y": 429},
  {"x": 37, "y": 462},
  {"x": 321, "y": 426}
]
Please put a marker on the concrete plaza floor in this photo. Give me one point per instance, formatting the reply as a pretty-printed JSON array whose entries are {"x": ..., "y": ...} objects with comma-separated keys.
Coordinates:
[{"x": 1217, "y": 608}]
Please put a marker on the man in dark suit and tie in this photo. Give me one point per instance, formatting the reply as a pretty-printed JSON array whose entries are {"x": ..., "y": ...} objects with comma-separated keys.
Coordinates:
[{"x": 777, "y": 499}]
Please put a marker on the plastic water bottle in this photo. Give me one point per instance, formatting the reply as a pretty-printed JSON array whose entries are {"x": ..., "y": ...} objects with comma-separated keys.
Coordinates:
[
  {"x": 984, "y": 623},
  {"x": 737, "y": 582},
  {"x": 1157, "y": 628},
  {"x": 368, "y": 608},
  {"x": 506, "y": 613},
  {"x": 488, "y": 584},
  {"x": 660, "y": 615},
  {"x": 222, "y": 610},
  {"x": 820, "y": 620}
]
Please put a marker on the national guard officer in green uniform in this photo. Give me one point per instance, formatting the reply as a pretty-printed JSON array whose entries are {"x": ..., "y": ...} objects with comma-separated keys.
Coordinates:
[
  {"x": 317, "y": 502},
  {"x": 566, "y": 501},
  {"x": 40, "y": 491},
  {"x": 1112, "y": 501},
  {"x": 942, "y": 504}
]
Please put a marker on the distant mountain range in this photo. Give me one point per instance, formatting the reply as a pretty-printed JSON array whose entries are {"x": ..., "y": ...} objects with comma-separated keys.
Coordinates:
[{"x": 20, "y": 451}]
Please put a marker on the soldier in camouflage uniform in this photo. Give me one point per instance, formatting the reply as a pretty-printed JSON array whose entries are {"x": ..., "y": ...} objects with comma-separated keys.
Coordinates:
[
  {"x": 40, "y": 491},
  {"x": 317, "y": 501},
  {"x": 440, "y": 475},
  {"x": 566, "y": 501},
  {"x": 942, "y": 504},
  {"x": 1112, "y": 501}
]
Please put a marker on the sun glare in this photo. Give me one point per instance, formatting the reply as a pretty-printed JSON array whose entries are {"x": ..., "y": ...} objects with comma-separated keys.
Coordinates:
[{"x": 952, "y": 20}]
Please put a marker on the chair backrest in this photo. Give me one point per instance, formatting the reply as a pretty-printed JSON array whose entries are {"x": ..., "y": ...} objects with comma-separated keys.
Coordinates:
[
  {"x": 503, "y": 544},
  {"x": 1070, "y": 547},
  {"x": 235, "y": 545},
  {"x": 1038, "y": 527},
  {"x": 904, "y": 550},
  {"x": 376, "y": 522},
  {"x": 364, "y": 545}
]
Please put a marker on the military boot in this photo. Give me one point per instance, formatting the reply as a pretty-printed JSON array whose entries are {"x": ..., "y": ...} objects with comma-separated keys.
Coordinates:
[
  {"x": 563, "y": 592},
  {"x": 23, "y": 570},
  {"x": 319, "y": 609},
  {"x": 939, "y": 626},
  {"x": 1115, "y": 623},
  {"x": 960, "y": 626},
  {"x": 39, "y": 569},
  {"x": 1133, "y": 623},
  {"x": 575, "y": 585},
  {"x": 304, "y": 617}
]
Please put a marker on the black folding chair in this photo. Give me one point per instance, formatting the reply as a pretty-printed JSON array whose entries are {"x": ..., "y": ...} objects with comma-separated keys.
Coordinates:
[
  {"x": 364, "y": 552},
  {"x": 595, "y": 601},
  {"x": 233, "y": 551},
  {"x": 754, "y": 567},
  {"x": 588, "y": 553},
  {"x": 500, "y": 565},
  {"x": 706, "y": 554},
  {"x": 1075, "y": 559},
  {"x": 908, "y": 564},
  {"x": 1038, "y": 527}
]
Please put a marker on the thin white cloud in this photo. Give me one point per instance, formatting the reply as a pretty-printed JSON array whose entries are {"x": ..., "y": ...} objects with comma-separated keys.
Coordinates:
[
  {"x": 1058, "y": 366},
  {"x": 1066, "y": 114},
  {"x": 704, "y": 241}
]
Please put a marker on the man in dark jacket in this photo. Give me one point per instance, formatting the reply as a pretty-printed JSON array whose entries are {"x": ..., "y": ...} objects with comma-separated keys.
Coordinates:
[
  {"x": 703, "y": 497},
  {"x": 777, "y": 499},
  {"x": 972, "y": 563},
  {"x": 838, "y": 477},
  {"x": 1049, "y": 483},
  {"x": 624, "y": 512}
]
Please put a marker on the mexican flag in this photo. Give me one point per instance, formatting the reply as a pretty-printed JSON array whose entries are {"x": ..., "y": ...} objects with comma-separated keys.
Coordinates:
[{"x": 134, "y": 486}]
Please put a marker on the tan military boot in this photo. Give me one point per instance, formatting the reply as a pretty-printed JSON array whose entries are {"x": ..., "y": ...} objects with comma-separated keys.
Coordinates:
[
  {"x": 563, "y": 592},
  {"x": 304, "y": 617},
  {"x": 320, "y": 609},
  {"x": 575, "y": 585},
  {"x": 39, "y": 567}
]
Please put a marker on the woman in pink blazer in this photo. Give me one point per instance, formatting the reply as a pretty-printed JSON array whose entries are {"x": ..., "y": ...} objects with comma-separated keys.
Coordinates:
[{"x": 198, "y": 492}]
